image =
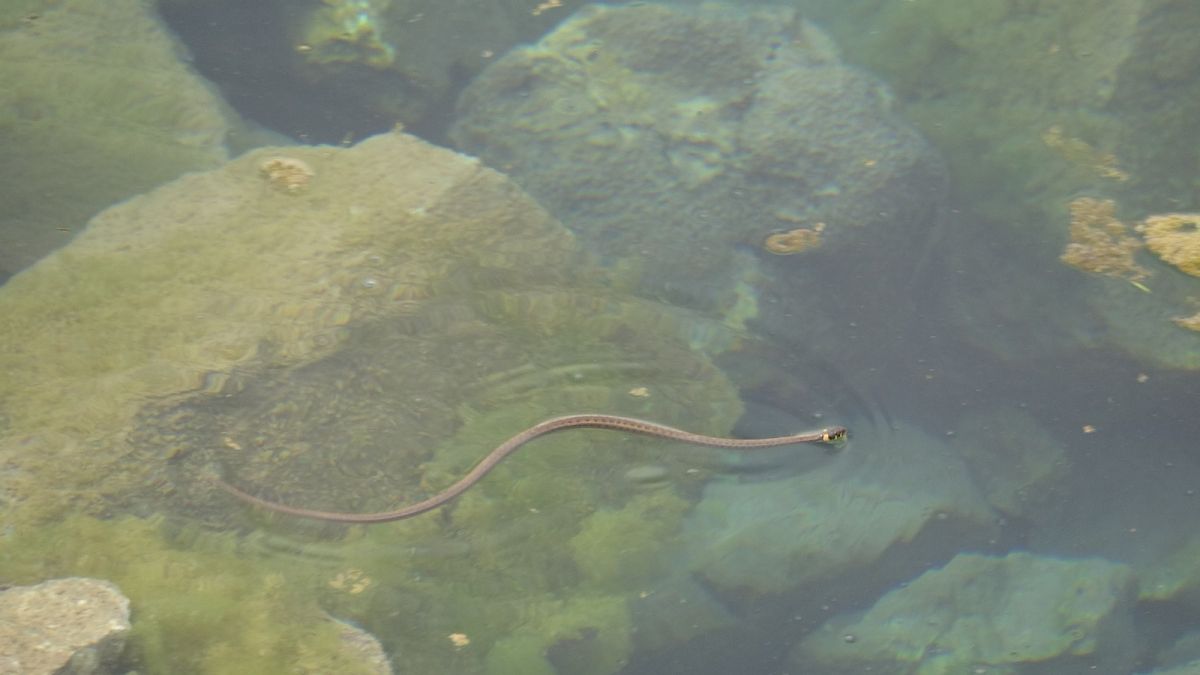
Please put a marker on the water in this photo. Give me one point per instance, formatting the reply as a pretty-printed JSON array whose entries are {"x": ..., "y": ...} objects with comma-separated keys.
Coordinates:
[{"x": 1019, "y": 488}]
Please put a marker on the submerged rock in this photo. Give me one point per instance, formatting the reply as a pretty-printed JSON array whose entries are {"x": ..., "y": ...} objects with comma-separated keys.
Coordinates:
[
  {"x": 364, "y": 647},
  {"x": 70, "y": 626},
  {"x": 817, "y": 538},
  {"x": 1014, "y": 461},
  {"x": 220, "y": 272},
  {"x": 356, "y": 343},
  {"x": 669, "y": 137},
  {"x": 1020, "y": 613}
]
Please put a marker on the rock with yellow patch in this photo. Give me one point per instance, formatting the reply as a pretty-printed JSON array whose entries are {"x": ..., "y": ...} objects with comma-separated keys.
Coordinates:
[{"x": 286, "y": 174}]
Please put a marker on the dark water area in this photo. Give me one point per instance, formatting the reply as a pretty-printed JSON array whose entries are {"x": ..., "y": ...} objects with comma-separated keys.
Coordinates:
[{"x": 965, "y": 231}]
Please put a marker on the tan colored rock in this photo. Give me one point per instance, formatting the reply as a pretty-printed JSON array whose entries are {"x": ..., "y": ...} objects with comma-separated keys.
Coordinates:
[
  {"x": 72, "y": 626},
  {"x": 364, "y": 646}
]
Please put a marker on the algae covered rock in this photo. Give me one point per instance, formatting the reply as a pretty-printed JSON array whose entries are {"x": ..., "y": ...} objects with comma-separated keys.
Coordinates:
[
  {"x": 406, "y": 406},
  {"x": 669, "y": 137},
  {"x": 351, "y": 329},
  {"x": 166, "y": 293},
  {"x": 225, "y": 269},
  {"x": 1018, "y": 614},
  {"x": 97, "y": 106}
]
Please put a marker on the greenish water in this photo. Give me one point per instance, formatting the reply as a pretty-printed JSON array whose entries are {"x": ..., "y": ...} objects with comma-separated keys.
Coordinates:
[{"x": 964, "y": 230}]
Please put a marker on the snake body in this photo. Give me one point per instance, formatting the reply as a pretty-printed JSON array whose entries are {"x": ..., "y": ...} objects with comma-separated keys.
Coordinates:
[{"x": 489, "y": 462}]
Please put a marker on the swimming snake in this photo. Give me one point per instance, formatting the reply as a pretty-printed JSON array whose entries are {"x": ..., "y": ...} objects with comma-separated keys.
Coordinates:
[{"x": 489, "y": 462}]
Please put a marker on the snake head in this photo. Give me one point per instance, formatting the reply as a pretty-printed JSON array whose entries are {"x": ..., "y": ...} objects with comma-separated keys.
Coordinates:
[{"x": 835, "y": 435}]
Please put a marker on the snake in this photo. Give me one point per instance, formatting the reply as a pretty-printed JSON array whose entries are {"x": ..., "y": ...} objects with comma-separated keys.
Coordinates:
[{"x": 492, "y": 459}]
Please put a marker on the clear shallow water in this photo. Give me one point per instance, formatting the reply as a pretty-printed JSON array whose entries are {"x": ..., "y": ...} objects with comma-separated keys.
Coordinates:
[{"x": 957, "y": 346}]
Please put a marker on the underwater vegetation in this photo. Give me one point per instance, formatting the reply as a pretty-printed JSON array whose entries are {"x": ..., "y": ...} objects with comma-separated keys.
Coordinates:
[
  {"x": 1102, "y": 244},
  {"x": 1175, "y": 238},
  {"x": 1036, "y": 105},
  {"x": 347, "y": 31},
  {"x": 198, "y": 607},
  {"x": 84, "y": 121}
]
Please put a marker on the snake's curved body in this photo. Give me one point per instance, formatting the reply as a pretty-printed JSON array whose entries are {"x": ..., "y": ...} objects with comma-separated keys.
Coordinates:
[{"x": 489, "y": 462}]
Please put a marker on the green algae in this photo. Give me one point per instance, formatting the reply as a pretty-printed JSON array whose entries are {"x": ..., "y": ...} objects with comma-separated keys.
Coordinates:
[
  {"x": 218, "y": 271},
  {"x": 492, "y": 565},
  {"x": 592, "y": 634},
  {"x": 620, "y": 548},
  {"x": 195, "y": 610},
  {"x": 82, "y": 119}
]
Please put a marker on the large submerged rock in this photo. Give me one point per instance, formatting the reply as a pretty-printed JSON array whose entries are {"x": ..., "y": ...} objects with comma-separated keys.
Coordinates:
[
  {"x": 352, "y": 329},
  {"x": 266, "y": 260},
  {"x": 839, "y": 535},
  {"x": 670, "y": 138},
  {"x": 1017, "y": 614}
]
